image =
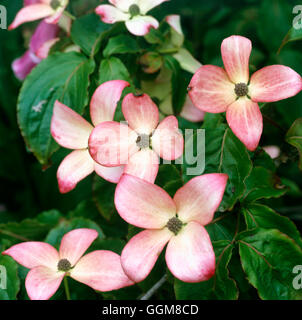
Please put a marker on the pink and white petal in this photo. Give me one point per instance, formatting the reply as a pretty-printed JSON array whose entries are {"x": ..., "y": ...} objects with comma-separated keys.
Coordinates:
[
  {"x": 33, "y": 254},
  {"x": 144, "y": 165},
  {"x": 190, "y": 112},
  {"x": 174, "y": 21},
  {"x": 272, "y": 151},
  {"x": 75, "y": 243},
  {"x": 23, "y": 65},
  {"x": 101, "y": 270},
  {"x": 245, "y": 119},
  {"x": 68, "y": 128},
  {"x": 43, "y": 33},
  {"x": 43, "y": 51},
  {"x": 111, "y": 174},
  {"x": 54, "y": 18},
  {"x": 142, "y": 203},
  {"x": 30, "y": 2},
  {"x": 141, "y": 25},
  {"x": 211, "y": 90},
  {"x": 110, "y": 14},
  {"x": 104, "y": 100},
  {"x": 141, "y": 113},
  {"x": 111, "y": 144},
  {"x": 167, "y": 140},
  {"x": 199, "y": 198},
  {"x": 41, "y": 283},
  {"x": 142, "y": 251},
  {"x": 235, "y": 52},
  {"x": 74, "y": 168},
  {"x": 190, "y": 255},
  {"x": 123, "y": 5},
  {"x": 31, "y": 13},
  {"x": 147, "y": 5},
  {"x": 274, "y": 83}
]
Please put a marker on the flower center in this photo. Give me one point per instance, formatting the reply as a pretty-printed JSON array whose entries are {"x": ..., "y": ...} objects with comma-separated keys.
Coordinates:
[
  {"x": 64, "y": 265},
  {"x": 174, "y": 225},
  {"x": 241, "y": 89},
  {"x": 55, "y": 4},
  {"x": 134, "y": 10},
  {"x": 143, "y": 141}
]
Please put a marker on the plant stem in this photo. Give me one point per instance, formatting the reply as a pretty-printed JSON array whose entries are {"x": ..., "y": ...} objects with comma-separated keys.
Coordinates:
[
  {"x": 66, "y": 288},
  {"x": 69, "y": 15},
  {"x": 13, "y": 235},
  {"x": 157, "y": 285},
  {"x": 167, "y": 51}
]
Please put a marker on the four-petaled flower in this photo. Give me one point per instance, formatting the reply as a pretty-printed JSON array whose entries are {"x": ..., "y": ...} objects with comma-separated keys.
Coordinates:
[
  {"x": 41, "y": 41},
  {"x": 51, "y": 10},
  {"x": 133, "y": 12},
  {"x": 216, "y": 90},
  {"x": 139, "y": 144},
  {"x": 72, "y": 131},
  {"x": 179, "y": 222},
  {"x": 100, "y": 269}
]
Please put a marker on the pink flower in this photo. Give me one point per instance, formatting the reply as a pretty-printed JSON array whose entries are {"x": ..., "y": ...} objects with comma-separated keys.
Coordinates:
[
  {"x": 215, "y": 90},
  {"x": 39, "y": 9},
  {"x": 179, "y": 222},
  {"x": 41, "y": 41},
  {"x": 133, "y": 12},
  {"x": 100, "y": 270},
  {"x": 72, "y": 131},
  {"x": 272, "y": 151},
  {"x": 140, "y": 144}
]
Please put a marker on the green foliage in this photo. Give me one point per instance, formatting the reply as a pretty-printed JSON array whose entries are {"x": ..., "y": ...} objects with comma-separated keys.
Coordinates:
[
  {"x": 12, "y": 279},
  {"x": 268, "y": 258},
  {"x": 63, "y": 77},
  {"x": 294, "y": 137},
  {"x": 256, "y": 231}
]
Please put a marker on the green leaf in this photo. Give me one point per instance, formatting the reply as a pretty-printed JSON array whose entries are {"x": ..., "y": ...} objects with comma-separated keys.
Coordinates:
[
  {"x": 263, "y": 183},
  {"x": 273, "y": 26},
  {"x": 223, "y": 226},
  {"x": 103, "y": 196},
  {"x": 9, "y": 271},
  {"x": 260, "y": 216},
  {"x": 169, "y": 178},
  {"x": 30, "y": 229},
  {"x": 294, "y": 34},
  {"x": 224, "y": 153},
  {"x": 54, "y": 237},
  {"x": 121, "y": 44},
  {"x": 62, "y": 76},
  {"x": 88, "y": 31},
  {"x": 179, "y": 83},
  {"x": 294, "y": 137},
  {"x": 113, "y": 69},
  {"x": 268, "y": 258},
  {"x": 219, "y": 287}
]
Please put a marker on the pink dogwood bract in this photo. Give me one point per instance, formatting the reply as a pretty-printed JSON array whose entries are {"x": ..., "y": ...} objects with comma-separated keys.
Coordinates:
[
  {"x": 133, "y": 12},
  {"x": 100, "y": 269},
  {"x": 50, "y": 10},
  {"x": 139, "y": 144},
  {"x": 41, "y": 41},
  {"x": 214, "y": 89},
  {"x": 178, "y": 222},
  {"x": 72, "y": 131}
]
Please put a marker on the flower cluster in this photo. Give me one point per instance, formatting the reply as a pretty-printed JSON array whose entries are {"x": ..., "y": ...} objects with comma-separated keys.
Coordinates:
[{"x": 128, "y": 154}]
